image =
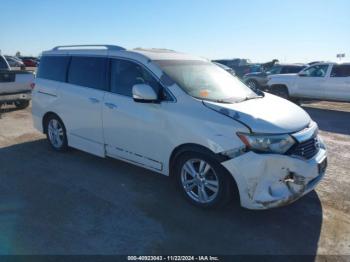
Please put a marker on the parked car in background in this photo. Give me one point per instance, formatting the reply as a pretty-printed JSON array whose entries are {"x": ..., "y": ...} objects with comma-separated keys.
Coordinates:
[
  {"x": 228, "y": 69},
  {"x": 324, "y": 81},
  {"x": 181, "y": 116},
  {"x": 29, "y": 61},
  {"x": 315, "y": 62},
  {"x": 258, "y": 80},
  {"x": 15, "y": 86},
  {"x": 240, "y": 66},
  {"x": 15, "y": 62},
  {"x": 244, "y": 66}
]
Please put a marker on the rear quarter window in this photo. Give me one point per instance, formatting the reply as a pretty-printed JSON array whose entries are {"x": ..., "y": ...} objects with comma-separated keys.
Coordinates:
[
  {"x": 88, "y": 72},
  {"x": 291, "y": 69},
  {"x": 340, "y": 71},
  {"x": 53, "y": 68}
]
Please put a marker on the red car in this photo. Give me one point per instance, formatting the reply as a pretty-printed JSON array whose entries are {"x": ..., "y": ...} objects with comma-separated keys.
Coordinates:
[{"x": 29, "y": 61}]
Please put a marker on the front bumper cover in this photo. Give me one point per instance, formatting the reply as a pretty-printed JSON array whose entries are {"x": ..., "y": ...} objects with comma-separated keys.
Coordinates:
[{"x": 271, "y": 180}]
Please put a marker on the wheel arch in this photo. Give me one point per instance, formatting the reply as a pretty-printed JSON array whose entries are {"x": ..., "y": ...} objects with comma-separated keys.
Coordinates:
[
  {"x": 191, "y": 147},
  {"x": 274, "y": 86},
  {"x": 46, "y": 117},
  {"x": 196, "y": 148}
]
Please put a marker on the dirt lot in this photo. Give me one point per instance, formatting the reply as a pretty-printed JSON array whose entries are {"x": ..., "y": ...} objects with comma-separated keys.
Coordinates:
[{"x": 76, "y": 203}]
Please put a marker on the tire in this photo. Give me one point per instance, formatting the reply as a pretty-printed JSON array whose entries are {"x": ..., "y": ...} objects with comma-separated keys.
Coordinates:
[
  {"x": 22, "y": 104},
  {"x": 56, "y": 133},
  {"x": 253, "y": 84},
  {"x": 212, "y": 188},
  {"x": 280, "y": 91}
]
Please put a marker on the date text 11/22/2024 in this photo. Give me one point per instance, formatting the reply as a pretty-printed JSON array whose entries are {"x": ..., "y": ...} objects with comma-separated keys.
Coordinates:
[{"x": 173, "y": 258}]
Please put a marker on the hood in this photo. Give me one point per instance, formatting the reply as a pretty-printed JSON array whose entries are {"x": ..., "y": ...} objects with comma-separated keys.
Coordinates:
[{"x": 269, "y": 114}]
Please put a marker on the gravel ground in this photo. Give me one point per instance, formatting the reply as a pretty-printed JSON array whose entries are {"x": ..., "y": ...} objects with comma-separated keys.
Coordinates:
[{"x": 76, "y": 203}]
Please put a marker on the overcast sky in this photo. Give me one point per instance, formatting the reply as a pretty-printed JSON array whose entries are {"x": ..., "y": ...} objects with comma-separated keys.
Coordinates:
[{"x": 291, "y": 31}]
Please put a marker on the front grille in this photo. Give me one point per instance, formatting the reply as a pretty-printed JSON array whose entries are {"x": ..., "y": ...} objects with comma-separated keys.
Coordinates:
[{"x": 306, "y": 149}]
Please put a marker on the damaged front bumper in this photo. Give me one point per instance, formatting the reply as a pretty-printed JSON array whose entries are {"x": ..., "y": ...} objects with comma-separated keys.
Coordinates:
[{"x": 271, "y": 180}]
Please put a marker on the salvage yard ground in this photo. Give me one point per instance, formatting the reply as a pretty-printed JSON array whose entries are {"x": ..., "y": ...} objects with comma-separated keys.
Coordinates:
[{"x": 76, "y": 203}]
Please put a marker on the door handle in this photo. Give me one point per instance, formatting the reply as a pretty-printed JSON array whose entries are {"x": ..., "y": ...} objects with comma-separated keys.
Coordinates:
[
  {"x": 110, "y": 105},
  {"x": 94, "y": 100}
]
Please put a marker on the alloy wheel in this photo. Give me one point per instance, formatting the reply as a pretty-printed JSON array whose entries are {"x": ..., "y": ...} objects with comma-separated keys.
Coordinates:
[
  {"x": 199, "y": 181},
  {"x": 55, "y": 133},
  {"x": 252, "y": 85}
]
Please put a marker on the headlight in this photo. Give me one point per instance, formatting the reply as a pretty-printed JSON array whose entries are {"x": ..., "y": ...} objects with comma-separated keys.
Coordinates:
[{"x": 267, "y": 143}]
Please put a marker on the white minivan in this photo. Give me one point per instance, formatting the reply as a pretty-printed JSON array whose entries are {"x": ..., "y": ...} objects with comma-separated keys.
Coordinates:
[{"x": 181, "y": 116}]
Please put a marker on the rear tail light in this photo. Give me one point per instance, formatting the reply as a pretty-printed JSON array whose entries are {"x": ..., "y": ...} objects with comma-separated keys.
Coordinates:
[{"x": 32, "y": 85}]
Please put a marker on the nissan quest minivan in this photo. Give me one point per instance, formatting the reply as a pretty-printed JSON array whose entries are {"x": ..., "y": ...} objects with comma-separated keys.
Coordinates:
[{"x": 181, "y": 116}]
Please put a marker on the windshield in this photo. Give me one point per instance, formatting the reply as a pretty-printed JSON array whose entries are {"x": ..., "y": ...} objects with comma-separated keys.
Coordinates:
[{"x": 206, "y": 81}]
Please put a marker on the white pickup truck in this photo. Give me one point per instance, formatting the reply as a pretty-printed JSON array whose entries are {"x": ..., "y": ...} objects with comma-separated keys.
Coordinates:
[
  {"x": 15, "y": 86},
  {"x": 322, "y": 81}
]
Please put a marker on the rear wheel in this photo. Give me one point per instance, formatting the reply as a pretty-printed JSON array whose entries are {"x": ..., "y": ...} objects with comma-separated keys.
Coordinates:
[
  {"x": 22, "y": 104},
  {"x": 56, "y": 133},
  {"x": 253, "y": 84},
  {"x": 203, "y": 181}
]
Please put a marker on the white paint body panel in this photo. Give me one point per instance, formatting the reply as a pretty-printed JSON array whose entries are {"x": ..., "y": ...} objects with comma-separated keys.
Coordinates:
[
  {"x": 261, "y": 114},
  {"x": 147, "y": 134},
  {"x": 81, "y": 110}
]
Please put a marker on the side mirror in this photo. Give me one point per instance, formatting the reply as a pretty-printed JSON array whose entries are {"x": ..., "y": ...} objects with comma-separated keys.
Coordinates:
[
  {"x": 302, "y": 74},
  {"x": 144, "y": 94}
]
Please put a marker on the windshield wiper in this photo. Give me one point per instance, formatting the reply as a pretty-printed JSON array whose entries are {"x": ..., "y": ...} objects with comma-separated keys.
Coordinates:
[
  {"x": 222, "y": 101},
  {"x": 251, "y": 97}
]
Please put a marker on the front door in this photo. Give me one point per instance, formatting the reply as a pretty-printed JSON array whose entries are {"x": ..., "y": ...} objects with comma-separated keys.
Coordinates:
[
  {"x": 132, "y": 131},
  {"x": 310, "y": 82}
]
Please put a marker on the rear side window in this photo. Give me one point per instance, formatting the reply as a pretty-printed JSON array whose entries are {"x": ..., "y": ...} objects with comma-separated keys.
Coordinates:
[
  {"x": 316, "y": 71},
  {"x": 291, "y": 69},
  {"x": 125, "y": 74},
  {"x": 89, "y": 72},
  {"x": 275, "y": 70},
  {"x": 340, "y": 71},
  {"x": 53, "y": 68}
]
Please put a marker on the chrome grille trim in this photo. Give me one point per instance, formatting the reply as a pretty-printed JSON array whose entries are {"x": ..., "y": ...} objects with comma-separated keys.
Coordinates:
[
  {"x": 307, "y": 133},
  {"x": 306, "y": 149}
]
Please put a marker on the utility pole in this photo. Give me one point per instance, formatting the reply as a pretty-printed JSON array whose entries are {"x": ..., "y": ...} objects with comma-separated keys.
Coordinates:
[{"x": 340, "y": 56}]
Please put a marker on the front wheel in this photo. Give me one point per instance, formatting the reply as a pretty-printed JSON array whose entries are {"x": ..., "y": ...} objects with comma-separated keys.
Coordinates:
[{"x": 203, "y": 181}]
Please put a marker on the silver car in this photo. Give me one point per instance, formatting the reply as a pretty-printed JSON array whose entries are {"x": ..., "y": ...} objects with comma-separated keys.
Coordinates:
[{"x": 258, "y": 80}]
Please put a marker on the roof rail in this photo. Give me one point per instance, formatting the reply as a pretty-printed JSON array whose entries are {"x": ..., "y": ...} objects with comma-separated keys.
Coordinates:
[
  {"x": 154, "y": 49},
  {"x": 75, "y": 47}
]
